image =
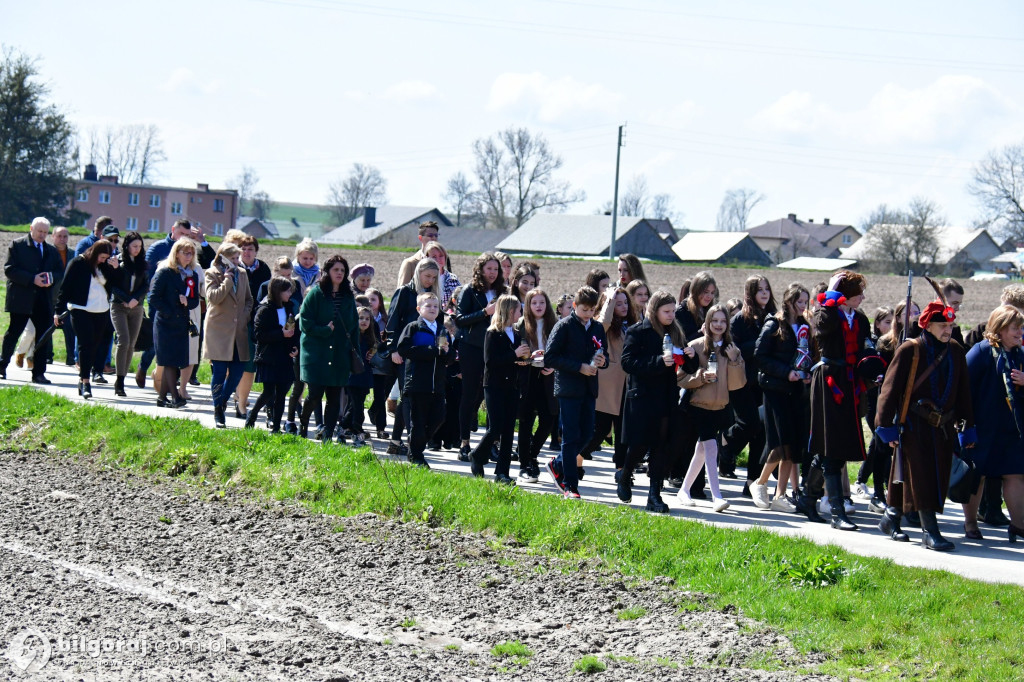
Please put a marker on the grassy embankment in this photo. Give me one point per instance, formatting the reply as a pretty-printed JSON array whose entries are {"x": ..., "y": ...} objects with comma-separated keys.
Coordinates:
[{"x": 871, "y": 618}]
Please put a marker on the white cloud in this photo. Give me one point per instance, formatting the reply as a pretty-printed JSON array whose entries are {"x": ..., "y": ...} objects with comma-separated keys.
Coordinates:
[
  {"x": 183, "y": 80},
  {"x": 944, "y": 111},
  {"x": 550, "y": 100}
]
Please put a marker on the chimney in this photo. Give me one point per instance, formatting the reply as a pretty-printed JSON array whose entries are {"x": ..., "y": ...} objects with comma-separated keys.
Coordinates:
[
  {"x": 792, "y": 217},
  {"x": 108, "y": 179},
  {"x": 369, "y": 216},
  {"x": 90, "y": 172},
  {"x": 810, "y": 220},
  {"x": 826, "y": 221},
  {"x": 203, "y": 186}
]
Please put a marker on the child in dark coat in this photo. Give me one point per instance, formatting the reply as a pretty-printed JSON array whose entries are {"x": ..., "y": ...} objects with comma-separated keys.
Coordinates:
[
  {"x": 359, "y": 385},
  {"x": 277, "y": 345}
]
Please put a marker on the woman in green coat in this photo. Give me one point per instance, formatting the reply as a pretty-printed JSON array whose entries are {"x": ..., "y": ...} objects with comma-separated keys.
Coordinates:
[{"x": 330, "y": 328}]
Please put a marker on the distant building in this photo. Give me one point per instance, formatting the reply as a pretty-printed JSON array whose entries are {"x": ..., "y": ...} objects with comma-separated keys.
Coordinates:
[
  {"x": 152, "y": 209},
  {"x": 472, "y": 239},
  {"x": 962, "y": 251},
  {"x": 817, "y": 264},
  {"x": 789, "y": 237},
  {"x": 557, "y": 234},
  {"x": 387, "y": 226},
  {"x": 261, "y": 229},
  {"x": 720, "y": 247}
]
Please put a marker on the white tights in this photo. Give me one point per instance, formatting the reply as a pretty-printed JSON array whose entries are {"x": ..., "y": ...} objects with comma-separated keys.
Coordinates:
[{"x": 706, "y": 453}]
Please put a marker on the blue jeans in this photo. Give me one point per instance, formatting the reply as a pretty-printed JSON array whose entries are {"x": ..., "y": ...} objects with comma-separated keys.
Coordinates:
[
  {"x": 226, "y": 375},
  {"x": 577, "y": 418}
]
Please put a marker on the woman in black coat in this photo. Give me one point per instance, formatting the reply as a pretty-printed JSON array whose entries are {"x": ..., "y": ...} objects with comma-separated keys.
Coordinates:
[
  {"x": 747, "y": 430},
  {"x": 173, "y": 292},
  {"x": 277, "y": 346},
  {"x": 474, "y": 314},
  {"x": 651, "y": 394},
  {"x": 784, "y": 338},
  {"x": 127, "y": 295},
  {"x": 85, "y": 291},
  {"x": 505, "y": 352}
]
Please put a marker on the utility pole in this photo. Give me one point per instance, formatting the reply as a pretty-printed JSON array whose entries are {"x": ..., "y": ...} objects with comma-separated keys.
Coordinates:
[{"x": 615, "y": 199}]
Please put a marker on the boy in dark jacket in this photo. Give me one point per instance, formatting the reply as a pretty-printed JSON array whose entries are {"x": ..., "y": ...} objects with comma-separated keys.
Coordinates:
[
  {"x": 424, "y": 345},
  {"x": 575, "y": 351}
]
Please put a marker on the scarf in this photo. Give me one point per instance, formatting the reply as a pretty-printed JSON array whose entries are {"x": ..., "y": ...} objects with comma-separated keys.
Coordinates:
[
  {"x": 1005, "y": 362},
  {"x": 188, "y": 276},
  {"x": 308, "y": 275}
]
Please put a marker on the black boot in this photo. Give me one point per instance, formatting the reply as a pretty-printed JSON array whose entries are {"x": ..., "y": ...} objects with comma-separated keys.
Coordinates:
[
  {"x": 218, "y": 417},
  {"x": 654, "y": 502},
  {"x": 932, "y": 539},
  {"x": 834, "y": 488},
  {"x": 808, "y": 506},
  {"x": 624, "y": 484},
  {"x": 119, "y": 387},
  {"x": 250, "y": 421},
  {"x": 890, "y": 525}
]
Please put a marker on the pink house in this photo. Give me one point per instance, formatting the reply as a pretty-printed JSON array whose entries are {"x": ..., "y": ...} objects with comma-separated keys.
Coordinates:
[{"x": 153, "y": 208}]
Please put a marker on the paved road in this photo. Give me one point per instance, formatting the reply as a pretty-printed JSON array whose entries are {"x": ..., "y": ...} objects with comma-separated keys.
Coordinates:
[{"x": 992, "y": 559}]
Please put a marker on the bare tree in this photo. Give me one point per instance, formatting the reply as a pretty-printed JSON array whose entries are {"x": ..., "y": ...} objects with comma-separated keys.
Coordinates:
[
  {"x": 245, "y": 183},
  {"x": 131, "y": 152},
  {"x": 734, "y": 212},
  {"x": 661, "y": 208},
  {"x": 515, "y": 172},
  {"x": 364, "y": 186},
  {"x": 261, "y": 205},
  {"x": 998, "y": 185},
  {"x": 898, "y": 237},
  {"x": 634, "y": 200},
  {"x": 461, "y": 196}
]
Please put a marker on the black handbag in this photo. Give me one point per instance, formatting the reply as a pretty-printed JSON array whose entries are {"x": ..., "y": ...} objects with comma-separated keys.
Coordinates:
[
  {"x": 356, "y": 360},
  {"x": 381, "y": 363},
  {"x": 963, "y": 480}
]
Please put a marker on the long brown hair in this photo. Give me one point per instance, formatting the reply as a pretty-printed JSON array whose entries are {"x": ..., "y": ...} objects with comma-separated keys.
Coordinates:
[
  {"x": 890, "y": 340},
  {"x": 789, "y": 299},
  {"x": 479, "y": 283},
  {"x": 698, "y": 285},
  {"x": 615, "y": 326},
  {"x": 636, "y": 270},
  {"x": 709, "y": 343},
  {"x": 530, "y": 322},
  {"x": 752, "y": 310},
  {"x": 675, "y": 332}
]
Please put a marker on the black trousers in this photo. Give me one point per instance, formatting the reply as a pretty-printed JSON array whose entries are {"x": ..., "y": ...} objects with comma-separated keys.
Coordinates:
[
  {"x": 683, "y": 437},
  {"x": 382, "y": 384},
  {"x": 42, "y": 319},
  {"x": 91, "y": 330},
  {"x": 877, "y": 465},
  {"x": 660, "y": 461},
  {"x": 353, "y": 417},
  {"x": 403, "y": 413},
  {"x": 534, "y": 407},
  {"x": 427, "y": 412},
  {"x": 502, "y": 404},
  {"x": 293, "y": 403},
  {"x": 332, "y": 411},
  {"x": 471, "y": 360},
  {"x": 273, "y": 396},
  {"x": 448, "y": 434},
  {"x": 604, "y": 424},
  {"x": 747, "y": 430}
]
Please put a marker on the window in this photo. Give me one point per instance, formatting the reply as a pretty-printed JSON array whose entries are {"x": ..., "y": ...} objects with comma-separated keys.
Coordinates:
[
  {"x": 154, "y": 200},
  {"x": 104, "y": 197},
  {"x": 131, "y": 224},
  {"x": 83, "y": 195},
  {"x": 218, "y": 228},
  {"x": 847, "y": 239},
  {"x": 175, "y": 208},
  {"x": 154, "y": 225},
  {"x": 218, "y": 205},
  {"x": 133, "y": 198}
]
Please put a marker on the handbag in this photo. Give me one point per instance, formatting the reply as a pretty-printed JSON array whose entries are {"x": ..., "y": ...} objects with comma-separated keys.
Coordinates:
[
  {"x": 963, "y": 480},
  {"x": 355, "y": 359},
  {"x": 381, "y": 364}
]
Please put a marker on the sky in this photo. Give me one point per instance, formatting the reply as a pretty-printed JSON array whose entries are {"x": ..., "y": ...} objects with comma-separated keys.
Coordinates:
[{"x": 828, "y": 109}]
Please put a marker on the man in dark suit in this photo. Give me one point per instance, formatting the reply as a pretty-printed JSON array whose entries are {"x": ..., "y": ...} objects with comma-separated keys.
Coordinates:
[{"x": 31, "y": 269}]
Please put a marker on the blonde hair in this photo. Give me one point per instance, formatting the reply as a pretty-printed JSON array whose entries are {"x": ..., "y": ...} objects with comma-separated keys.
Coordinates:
[
  {"x": 422, "y": 265},
  {"x": 430, "y": 246},
  {"x": 182, "y": 244},
  {"x": 226, "y": 251},
  {"x": 1001, "y": 318},
  {"x": 424, "y": 297},
  {"x": 503, "y": 309},
  {"x": 236, "y": 237},
  {"x": 307, "y": 245}
]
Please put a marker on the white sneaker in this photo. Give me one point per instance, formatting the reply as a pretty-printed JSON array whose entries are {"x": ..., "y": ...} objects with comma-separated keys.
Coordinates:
[
  {"x": 527, "y": 477},
  {"x": 861, "y": 490},
  {"x": 824, "y": 507},
  {"x": 848, "y": 505},
  {"x": 684, "y": 498},
  {"x": 720, "y": 505},
  {"x": 876, "y": 505},
  {"x": 783, "y": 504},
  {"x": 759, "y": 493}
]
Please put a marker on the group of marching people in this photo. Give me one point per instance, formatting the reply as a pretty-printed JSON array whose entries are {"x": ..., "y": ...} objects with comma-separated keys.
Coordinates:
[{"x": 680, "y": 386}]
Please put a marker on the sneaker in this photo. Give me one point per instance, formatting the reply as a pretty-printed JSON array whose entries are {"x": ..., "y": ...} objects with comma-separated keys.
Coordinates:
[
  {"x": 877, "y": 505},
  {"x": 504, "y": 480},
  {"x": 861, "y": 490},
  {"x": 434, "y": 445},
  {"x": 675, "y": 483},
  {"x": 394, "y": 448},
  {"x": 783, "y": 504},
  {"x": 684, "y": 498},
  {"x": 759, "y": 493},
  {"x": 291, "y": 428},
  {"x": 465, "y": 454},
  {"x": 571, "y": 495},
  {"x": 555, "y": 476},
  {"x": 720, "y": 505},
  {"x": 824, "y": 507},
  {"x": 527, "y": 476},
  {"x": 848, "y": 505},
  {"x": 358, "y": 441},
  {"x": 624, "y": 485}
]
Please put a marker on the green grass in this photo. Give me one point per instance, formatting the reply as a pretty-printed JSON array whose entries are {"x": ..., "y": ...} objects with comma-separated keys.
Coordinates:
[
  {"x": 880, "y": 621},
  {"x": 588, "y": 665},
  {"x": 632, "y": 613},
  {"x": 515, "y": 652}
]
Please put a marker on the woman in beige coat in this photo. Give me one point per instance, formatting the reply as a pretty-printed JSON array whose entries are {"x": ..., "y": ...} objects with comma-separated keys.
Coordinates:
[
  {"x": 719, "y": 358},
  {"x": 226, "y": 342}
]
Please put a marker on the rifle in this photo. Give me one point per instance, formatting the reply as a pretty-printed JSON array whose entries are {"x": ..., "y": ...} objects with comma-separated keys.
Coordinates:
[
  {"x": 897, "y": 465},
  {"x": 40, "y": 338}
]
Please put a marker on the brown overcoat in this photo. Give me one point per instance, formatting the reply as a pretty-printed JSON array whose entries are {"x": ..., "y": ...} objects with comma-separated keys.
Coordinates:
[
  {"x": 611, "y": 380},
  {"x": 927, "y": 451},
  {"x": 227, "y": 315}
]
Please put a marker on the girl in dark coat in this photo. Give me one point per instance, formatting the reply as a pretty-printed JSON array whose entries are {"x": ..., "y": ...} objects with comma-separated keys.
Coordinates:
[
  {"x": 886, "y": 333},
  {"x": 360, "y": 385},
  {"x": 173, "y": 292},
  {"x": 383, "y": 376},
  {"x": 85, "y": 291},
  {"x": 652, "y": 394},
  {"x": 783, "y": 340},
  {"x": 505, "y": 353},
  {"x": 747, "y": 430},
  {"x": 841, "y": 334},
  {"x": 127, "y": 295},
  {"x": 476, "y": 306},
  {"x": 277, "y": 346},
  {"x": 996, "y": 369},
  {"x": 536, "y": 384}
]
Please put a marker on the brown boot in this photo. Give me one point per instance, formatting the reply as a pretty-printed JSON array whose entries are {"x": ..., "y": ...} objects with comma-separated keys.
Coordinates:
[
  {"x": 140, "y": 377},
  {"x": 19, "y": 359}
]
